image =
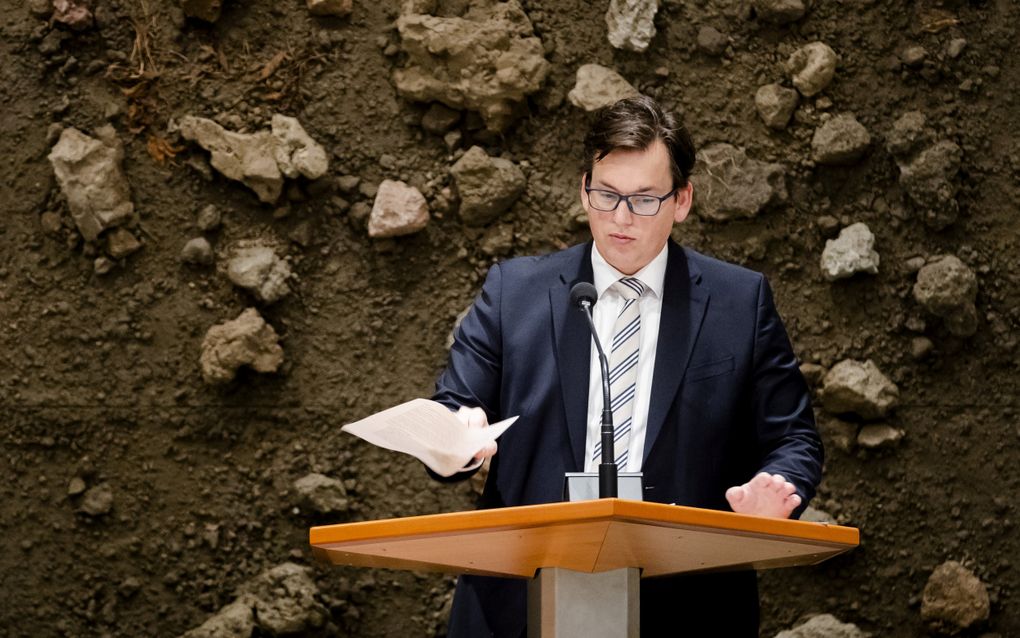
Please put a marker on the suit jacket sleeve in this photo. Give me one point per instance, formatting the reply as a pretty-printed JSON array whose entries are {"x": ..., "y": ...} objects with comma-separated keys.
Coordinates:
[
  {"x": 473, "y": 373},
  {"x": 787, "y": 437}
]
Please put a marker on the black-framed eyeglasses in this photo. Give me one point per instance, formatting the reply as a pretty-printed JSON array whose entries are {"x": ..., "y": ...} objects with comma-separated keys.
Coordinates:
[{"x": 607, "y": 201}]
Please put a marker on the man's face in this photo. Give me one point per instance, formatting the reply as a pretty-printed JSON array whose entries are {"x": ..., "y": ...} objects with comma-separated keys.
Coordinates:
[{"x": 628, "y": 241}]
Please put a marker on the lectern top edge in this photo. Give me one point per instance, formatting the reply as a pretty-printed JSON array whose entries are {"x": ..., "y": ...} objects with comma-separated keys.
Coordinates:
[{"x": 583, "y": 511}]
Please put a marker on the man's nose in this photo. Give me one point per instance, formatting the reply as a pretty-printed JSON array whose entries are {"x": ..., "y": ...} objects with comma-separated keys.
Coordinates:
[{"x": 621, "y": 214}]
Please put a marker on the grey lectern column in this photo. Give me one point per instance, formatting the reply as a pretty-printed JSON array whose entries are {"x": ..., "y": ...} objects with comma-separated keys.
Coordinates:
[{"x": 566, "y": 604}]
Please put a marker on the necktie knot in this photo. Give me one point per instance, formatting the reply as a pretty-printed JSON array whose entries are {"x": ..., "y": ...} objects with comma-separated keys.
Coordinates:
[{"x": 630, "y": 287}]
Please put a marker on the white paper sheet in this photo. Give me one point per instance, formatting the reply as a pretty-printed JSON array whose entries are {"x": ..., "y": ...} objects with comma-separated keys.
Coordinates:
[{"x": 428, "y": 431}]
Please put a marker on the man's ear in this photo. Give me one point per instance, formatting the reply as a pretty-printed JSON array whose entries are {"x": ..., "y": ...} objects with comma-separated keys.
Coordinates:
[
  {"x": 583, "y": 195},
  {"x": 683, "y": 200}
]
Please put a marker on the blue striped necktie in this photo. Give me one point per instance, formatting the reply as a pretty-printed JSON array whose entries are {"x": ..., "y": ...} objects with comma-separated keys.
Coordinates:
[{"x": 623, "y": 360}]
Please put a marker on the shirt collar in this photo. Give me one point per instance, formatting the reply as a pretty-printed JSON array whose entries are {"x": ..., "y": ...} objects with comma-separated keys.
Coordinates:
[{"x": 653, "y": 275}]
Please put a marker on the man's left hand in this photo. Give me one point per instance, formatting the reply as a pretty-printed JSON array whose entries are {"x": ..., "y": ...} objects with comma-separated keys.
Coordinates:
[{"x": 764, "y": 495}]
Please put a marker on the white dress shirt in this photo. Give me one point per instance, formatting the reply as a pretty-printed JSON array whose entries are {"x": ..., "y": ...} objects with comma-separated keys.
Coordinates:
[{"x": 604, "y": 314}]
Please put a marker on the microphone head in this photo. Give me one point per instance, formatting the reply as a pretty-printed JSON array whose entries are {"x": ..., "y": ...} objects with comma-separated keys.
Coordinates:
[{"x": 583, "y": 291}]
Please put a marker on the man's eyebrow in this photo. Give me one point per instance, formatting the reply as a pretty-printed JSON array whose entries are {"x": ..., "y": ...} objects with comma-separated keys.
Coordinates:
[{"x": 613, "y": 188}]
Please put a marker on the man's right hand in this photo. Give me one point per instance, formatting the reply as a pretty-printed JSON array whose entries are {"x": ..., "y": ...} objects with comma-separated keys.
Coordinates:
[{"x": 475, "y": 418}]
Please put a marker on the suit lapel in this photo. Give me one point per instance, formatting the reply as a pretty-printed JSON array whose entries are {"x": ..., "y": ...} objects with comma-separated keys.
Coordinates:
[
  {"x": 573, "y": 352},
  {"x": 684, "y": 302}
]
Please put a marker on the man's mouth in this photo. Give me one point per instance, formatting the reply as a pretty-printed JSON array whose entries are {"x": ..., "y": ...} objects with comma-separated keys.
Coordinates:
[{"x": 619, "y": 237}]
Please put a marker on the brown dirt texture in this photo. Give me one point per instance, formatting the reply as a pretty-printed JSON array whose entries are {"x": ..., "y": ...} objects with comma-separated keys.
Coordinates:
[{"x": 139, "y": 500}]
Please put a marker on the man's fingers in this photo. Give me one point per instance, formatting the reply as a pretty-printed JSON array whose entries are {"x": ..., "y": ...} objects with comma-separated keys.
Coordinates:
[
  {"x": 735, "y": 494},
  {"x": 761, "y": 481},
  {"x": 472, "y": 417},
  {"x": 788, "y": 489}
]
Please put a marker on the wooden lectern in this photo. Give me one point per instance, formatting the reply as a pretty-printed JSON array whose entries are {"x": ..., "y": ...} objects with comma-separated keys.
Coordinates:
[{"x": 584, "y": 558}]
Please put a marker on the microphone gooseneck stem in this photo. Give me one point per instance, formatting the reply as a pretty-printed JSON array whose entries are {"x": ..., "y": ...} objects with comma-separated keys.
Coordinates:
[{"x": 607, "y": 468}]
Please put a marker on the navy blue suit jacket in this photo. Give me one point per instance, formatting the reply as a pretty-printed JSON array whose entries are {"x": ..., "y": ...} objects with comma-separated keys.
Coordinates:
[{"x": 728, "y": 400}]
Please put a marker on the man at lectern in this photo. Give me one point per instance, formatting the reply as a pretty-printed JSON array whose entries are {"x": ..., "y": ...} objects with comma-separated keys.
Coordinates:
[{"x": 707, "y": 396}]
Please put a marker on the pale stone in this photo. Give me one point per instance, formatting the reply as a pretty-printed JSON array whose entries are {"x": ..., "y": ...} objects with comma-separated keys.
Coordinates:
[
  {"x": 729, "y": 185},
  {"x": 597, "y": 86},
  {"x": 398, "y": 209},
  {"x": 631, "y": 23},
  {"x": 824, "y": 626},
  {"x": 98, "y": 500},
  {"x": 878, "y": 435},
  {"x": 860, "y": 388},
  {"x": 90, "y": 175},
  {"x": 776, "y": 104},
  {"x": 487, "y": 185},
  {"x": 850, "y": 253},
  {"x": 954, "y": 599},
  {"x": 947, "y": 288},
  {"x": 259, "y": 160},
  {"x": 197, "y": 251},
  {"x": 840, "y": 140},
  {"x": 487, "y": 60},
  {"x": 321, "y": 493},
  {"x": 246, "y": 340},
  {"x": 259, "y": 270},
  {"x": 296, "y": 152},
  {"x": 812, "y": 67}
]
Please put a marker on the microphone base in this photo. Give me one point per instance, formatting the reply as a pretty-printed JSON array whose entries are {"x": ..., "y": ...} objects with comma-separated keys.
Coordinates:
[{"x": 584, "y": 486}]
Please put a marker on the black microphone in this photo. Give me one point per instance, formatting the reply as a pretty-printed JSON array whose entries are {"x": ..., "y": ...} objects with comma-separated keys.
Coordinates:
[{"x": 584, "y": 295}]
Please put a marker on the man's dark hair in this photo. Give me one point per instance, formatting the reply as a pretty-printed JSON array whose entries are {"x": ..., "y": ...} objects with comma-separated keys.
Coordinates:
[{"x": 634, "y": 123}]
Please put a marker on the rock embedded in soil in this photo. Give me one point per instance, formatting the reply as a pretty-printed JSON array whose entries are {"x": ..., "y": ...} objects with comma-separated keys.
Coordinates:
[
  {"x": 247, "y": 340},
  {"x": 75, "y": 486},
  {"x": 812, "y": 68},
  {"x": 711, "y": 41},
  {"x": 322, "y": 494},
  {"x": 209, "y": 218},
  {"x": 487, "y": 60},
  {"x": 259, "y": 160},
  {"x": 954, "y": 599},
  {"x": 285, "y": 600},
  {"x": 90, "y": 176},
  {"x": 74, "y": 14},
  {"x": 878, "y": 435},
  {"x": 824, "y": 626},
  {"x": 282, "y": 601},
  {"x": 197, "y": 251},
  {"x": 597, "y": 86},
  {"x": 330, "y": 7},
  {"x": 840, "y": 140},
  {"x": 439, "y": 118},
  {"x": 488, "y": 186},
  {"x": 258, "y": 269},
  {"x": 947, "y": 288},
  {"x": 729, "y": 185},
  {"x": 775, "y": 104},
  {"x": 913, "y": 56},
  {"x": 120, "y": 242},
  {"x": 850, "y": 253},
  {"x": 631, "y": 23},
  {"x": 297, "y": 154},
  {"x": 399, "y": 209},
  {"x": 929, "y": 178},
  {"x": 98, "y": 500},
  {"x": 858, "y": 388},
  {"x": 908, "y": 135},
  {"x": 779, "y": 11}
]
